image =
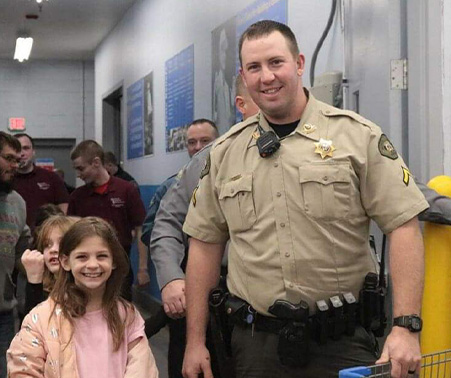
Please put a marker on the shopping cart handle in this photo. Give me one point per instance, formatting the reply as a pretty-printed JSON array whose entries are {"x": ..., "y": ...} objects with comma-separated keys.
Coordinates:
[{"x": 356, "y": 372}]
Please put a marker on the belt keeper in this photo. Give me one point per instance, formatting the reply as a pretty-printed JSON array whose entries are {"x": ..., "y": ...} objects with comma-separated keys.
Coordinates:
[
  {"x": 338, "y": 320},
  {"x": 350, "y": 310},
  {"x": 321, "y": 318}
]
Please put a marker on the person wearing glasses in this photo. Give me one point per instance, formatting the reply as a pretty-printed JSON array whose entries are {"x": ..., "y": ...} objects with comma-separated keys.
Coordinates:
[{"x": 15, "y": 237}]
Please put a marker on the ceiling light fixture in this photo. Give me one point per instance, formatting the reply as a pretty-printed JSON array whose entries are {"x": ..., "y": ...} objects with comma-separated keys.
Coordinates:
[
  {"x": 40, "y": 2},
  {"x": 23, "y": 48}
]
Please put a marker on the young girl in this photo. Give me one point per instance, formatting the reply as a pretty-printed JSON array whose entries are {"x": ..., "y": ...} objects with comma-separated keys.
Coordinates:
[
  {"x": 42, "y": 264},
  {"x": 84, "y": 330}
]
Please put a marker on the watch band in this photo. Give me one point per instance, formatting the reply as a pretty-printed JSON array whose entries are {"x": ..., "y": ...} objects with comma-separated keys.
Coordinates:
[{"x": 412, "y": 322}]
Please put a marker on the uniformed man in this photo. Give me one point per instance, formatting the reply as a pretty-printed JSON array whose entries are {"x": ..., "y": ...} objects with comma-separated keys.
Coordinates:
[
  {"x": 298, "y": 220},
  {"x": 200, "y": 132},
  {"x": 168, "y": 243}
]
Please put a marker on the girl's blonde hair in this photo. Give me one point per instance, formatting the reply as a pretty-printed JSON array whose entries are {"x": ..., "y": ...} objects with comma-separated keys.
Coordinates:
[
  {"x": 73, "y": 300},
  {"x": 62, "y": 223}
]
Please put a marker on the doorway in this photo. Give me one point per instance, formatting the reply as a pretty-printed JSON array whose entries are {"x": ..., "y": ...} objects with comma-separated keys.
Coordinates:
[
  {"x": 112, "y": 123},
  {"x": 59, "y": 150}
]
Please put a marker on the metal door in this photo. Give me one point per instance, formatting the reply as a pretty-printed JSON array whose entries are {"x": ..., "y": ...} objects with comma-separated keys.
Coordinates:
[
  {"x": 112, "y": 123},
  {"x": 375, "y": 34},
  {"x": 59, "y": 150}
]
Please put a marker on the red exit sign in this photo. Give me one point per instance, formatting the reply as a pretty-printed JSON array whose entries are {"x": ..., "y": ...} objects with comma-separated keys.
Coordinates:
[{"x": 16, "y": 124}]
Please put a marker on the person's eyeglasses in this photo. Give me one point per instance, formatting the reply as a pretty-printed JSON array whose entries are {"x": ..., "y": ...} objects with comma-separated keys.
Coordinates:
[{"x": 11, "y": 159}]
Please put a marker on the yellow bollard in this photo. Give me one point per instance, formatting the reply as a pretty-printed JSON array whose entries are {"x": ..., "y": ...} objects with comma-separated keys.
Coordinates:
[{"x": 436, "y": 309}]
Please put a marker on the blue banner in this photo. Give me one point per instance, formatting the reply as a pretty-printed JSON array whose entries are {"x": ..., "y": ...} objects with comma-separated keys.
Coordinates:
[
  {"x": 179, "y": 84},
  {"x": 135, "y": 120}
]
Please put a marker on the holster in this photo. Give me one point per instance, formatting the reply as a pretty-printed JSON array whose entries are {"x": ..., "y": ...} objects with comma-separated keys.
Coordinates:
[
  {"x": 294, "y": 337},
  {"x": 293, "y": 333},
  {"x": 221, "y": 330}
]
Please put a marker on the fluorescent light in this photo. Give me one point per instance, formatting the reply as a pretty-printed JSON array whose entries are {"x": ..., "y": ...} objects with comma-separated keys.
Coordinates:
[{"x": 23, "y": 48}]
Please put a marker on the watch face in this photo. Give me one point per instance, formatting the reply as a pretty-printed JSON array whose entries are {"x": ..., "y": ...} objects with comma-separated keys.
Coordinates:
[{"x": 416, "y": 324}]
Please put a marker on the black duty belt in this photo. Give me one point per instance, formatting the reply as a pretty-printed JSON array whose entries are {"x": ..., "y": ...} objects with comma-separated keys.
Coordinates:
[
  {"x": 262, "y": 323},
  {"x": 341, "y": 317},
  {"x": 334, "y": 317}
]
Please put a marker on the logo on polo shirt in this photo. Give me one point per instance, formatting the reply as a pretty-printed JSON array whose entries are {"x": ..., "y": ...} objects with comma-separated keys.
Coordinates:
[
  {"x": 117, "y": 202},
  {"x": 43, "y": 185}
]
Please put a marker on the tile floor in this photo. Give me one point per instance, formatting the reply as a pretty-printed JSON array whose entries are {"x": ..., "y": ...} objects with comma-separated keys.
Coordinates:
[{"x": 159, "y": 345}]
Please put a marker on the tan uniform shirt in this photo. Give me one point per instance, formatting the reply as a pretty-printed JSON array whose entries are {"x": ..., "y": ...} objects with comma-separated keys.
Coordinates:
[{"x": 298, "y": 222}]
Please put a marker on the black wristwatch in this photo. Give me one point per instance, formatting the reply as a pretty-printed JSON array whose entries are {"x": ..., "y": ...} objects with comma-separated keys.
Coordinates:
[{"x": 412, "y": 322}]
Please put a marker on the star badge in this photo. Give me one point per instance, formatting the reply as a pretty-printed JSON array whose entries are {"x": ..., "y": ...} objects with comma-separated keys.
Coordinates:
[{"x": 324, "y": 147}]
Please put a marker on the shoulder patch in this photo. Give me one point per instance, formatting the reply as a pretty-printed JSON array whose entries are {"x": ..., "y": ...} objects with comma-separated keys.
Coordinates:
[
  {"x": 206, "y": 169},
  {"x": 386, "y": 148}
]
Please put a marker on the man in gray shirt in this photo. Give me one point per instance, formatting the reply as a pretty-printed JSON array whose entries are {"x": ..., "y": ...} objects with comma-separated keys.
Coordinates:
[
  {"x": 168, "y": 244},
  {"x": 439, "y": 206},
  {"x": 14, "y": 239}
]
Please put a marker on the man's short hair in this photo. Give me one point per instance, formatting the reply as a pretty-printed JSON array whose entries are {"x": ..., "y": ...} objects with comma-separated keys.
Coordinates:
[
  {"x": 109, "y": 157},
  {"x": 9, "y": 140},
  {"x": 20, "y": 135},
  {"x": 205, "y": 120},
  {"x": 263, "y": 29},
  {"x": 88, "y": 149}
]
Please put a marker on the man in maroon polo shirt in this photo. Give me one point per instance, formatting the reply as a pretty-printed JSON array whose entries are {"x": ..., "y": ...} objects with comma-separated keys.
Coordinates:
[
  {"x": 112, "y": 199},
  {"x": 36, "y": 185}
]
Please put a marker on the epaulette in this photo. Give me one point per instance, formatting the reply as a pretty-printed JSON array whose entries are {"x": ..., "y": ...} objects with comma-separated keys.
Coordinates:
[
  {"x": 237, "y": 128},
  {"x": 330, "y": 111}
]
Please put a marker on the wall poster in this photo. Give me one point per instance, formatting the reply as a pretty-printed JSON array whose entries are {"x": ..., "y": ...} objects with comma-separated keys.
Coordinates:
[
  {"x": 148, "y": 114},
  {"x": 140, "y": 118},
  {"x": 224, "y": 73},
  {"x": 179, "y": 84},
  {"x": 225, "y": 57},
  {"x": 135, "y": 124}
]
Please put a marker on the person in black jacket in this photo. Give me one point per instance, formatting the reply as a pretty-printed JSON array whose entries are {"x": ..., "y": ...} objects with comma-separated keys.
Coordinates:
[
  {"x": 114, "y": 169},
  {"x": 42, "y": 263}
]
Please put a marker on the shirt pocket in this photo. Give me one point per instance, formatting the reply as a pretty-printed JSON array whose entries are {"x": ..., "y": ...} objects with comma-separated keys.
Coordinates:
[
  {"x": 326, "y": 190},
  {"x": 237, "y": 202}
]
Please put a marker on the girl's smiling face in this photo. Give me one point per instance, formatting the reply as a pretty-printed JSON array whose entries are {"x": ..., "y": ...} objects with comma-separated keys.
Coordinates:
[
  {"x": 51, "y": 250},
  {"x": 91, "y": 264}
]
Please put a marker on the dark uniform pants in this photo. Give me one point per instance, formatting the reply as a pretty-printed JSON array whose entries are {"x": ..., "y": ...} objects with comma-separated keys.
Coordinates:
[{"x": 256, "y": 355}]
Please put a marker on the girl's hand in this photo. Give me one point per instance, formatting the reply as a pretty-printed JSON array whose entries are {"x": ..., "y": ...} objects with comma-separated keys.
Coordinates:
[{"x": 33, "y": 262}]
